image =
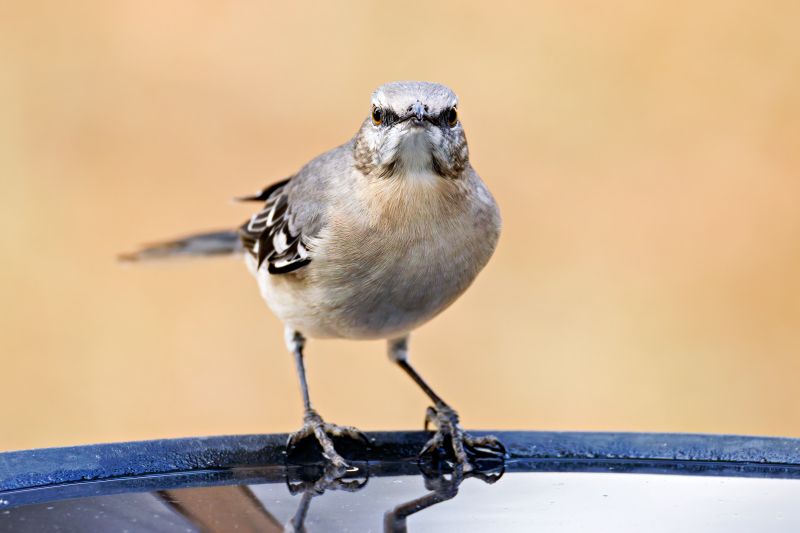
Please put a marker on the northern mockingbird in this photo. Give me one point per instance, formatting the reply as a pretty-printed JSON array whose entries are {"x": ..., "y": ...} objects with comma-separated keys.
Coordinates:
[{"x": 369, "y": 241}]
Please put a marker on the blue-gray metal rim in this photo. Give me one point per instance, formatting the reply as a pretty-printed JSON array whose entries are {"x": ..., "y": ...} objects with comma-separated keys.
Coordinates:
[{"x": 31, "y": 476}]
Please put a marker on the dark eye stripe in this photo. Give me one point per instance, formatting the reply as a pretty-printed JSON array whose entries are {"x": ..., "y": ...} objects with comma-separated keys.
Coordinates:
[
  {"x": 391, "y": 116},
  {"x": 383, "y": 117}
]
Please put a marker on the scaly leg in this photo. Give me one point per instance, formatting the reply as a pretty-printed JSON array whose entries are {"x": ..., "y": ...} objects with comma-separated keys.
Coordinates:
[
  {"x": 441, "y": 415},
  {"x": 312, "y": 422}
]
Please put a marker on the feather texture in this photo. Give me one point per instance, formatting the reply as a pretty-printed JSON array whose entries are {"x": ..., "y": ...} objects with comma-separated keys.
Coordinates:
[{"x": 268, "y": 235}]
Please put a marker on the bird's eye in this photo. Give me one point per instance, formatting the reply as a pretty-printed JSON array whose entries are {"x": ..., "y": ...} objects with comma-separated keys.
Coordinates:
[
  {"x": 452, "y": 116},
  {"x": 377, "y": 115}
]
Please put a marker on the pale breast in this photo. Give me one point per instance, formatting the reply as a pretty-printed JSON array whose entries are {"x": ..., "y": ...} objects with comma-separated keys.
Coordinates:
[{"x": 389, "y": 260}]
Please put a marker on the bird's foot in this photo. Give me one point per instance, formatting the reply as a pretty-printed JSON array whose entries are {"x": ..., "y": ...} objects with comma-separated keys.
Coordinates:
[
  {"x": 314, "y": 425},
  {"x": 447, "y": 425}
]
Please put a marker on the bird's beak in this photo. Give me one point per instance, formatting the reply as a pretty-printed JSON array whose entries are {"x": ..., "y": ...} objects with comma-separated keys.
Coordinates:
[
  {"x": 418, "y": 110},
  {"x": 418, "y": 113}
]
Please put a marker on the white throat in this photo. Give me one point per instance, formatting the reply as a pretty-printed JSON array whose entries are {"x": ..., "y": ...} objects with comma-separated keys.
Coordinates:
[{"x": 414, "y": 152}]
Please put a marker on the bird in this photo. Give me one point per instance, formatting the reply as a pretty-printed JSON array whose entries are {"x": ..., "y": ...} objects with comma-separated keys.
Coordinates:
[{"x": 369, "y": 240}]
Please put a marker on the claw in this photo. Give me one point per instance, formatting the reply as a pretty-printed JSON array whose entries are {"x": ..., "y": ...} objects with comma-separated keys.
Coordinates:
[
  {"x": 314, "y": 425},
  {"x": 430, "y": 416},
  {"x": 425, "y": 449},
  {"x": 361, "y": 436}
]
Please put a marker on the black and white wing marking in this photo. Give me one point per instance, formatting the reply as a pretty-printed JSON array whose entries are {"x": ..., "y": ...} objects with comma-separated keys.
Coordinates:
[{"x": 267, "y": 234}]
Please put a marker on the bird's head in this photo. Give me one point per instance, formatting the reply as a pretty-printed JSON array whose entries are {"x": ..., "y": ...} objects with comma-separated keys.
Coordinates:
[{"x": 412, "y": 129}]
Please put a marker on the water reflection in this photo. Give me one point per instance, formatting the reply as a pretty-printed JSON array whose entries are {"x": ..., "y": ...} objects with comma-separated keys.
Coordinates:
[
  {"x": 219, "y": 509},
  {"x": 332, "y": 478},
  {"x": 247, "y": 509},
  {"x": 626, "y": 497},
  {"x": 445, "y": 487}
]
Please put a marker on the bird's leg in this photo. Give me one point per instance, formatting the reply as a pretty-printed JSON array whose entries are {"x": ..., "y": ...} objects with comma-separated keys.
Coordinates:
[
  {"x": 312, "y": 422},
  {"x": 441, "y": 415}
]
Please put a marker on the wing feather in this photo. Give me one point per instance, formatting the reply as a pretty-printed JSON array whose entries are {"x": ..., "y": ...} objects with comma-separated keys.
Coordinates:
[{"x": 268, "y": 237}]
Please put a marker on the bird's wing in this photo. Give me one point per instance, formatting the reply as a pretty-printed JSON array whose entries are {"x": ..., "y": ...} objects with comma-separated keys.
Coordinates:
[
  {"x": 270, "y": 237},
  {"x": 294, "y": 212}
]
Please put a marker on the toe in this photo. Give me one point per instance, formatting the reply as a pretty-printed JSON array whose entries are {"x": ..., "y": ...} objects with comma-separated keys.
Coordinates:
[
  {"x": 327, "y": 448},
  {"x": 461, "y": 453},
  {"x": 297, "y": 436},
  {"x": 489, "y": 441},
  {"x": 338, "y": 460},
  {"x": 339, "y": 431},
  {"x": 353, "y": 433}
]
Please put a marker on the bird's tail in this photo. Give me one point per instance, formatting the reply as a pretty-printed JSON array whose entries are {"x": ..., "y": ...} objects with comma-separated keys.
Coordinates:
[{"x": 205, "y": 244}]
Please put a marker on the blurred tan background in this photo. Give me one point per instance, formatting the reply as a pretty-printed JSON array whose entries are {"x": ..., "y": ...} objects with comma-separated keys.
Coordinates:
[{"x": 645, "y": 156}]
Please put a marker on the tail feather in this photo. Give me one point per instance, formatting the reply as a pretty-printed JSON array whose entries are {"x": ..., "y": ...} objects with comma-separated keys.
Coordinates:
[{"x": 205, "y": 244}]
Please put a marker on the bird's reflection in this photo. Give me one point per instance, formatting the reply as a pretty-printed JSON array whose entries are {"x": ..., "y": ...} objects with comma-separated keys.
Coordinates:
[
  {"x": 236, "y": 508},
  {"x": 444, "y": 486},
  {"x": 332, "y": 478}
]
